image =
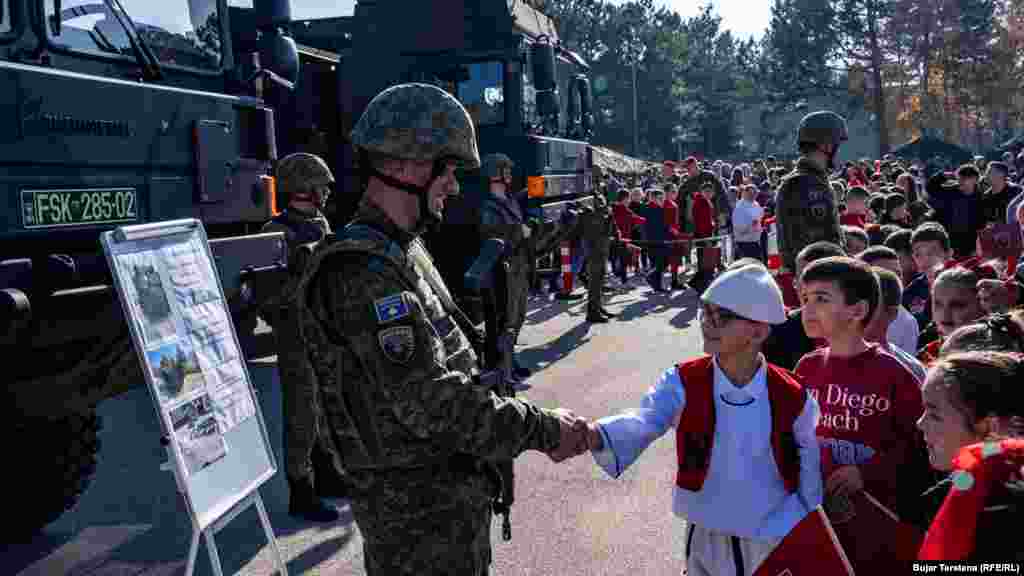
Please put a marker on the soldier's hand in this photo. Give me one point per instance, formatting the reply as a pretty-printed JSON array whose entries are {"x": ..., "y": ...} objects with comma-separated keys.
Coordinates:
[
  {"x": 573, "y": 436},
  {"x": 527, "y": 231}
]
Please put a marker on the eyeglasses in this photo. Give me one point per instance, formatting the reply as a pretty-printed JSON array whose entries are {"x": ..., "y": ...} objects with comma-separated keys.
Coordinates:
[{"x": 715, "y": 317}]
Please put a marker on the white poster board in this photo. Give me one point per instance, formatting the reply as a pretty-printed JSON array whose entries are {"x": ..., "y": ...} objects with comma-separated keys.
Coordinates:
[{"x": 194, "y": 368}]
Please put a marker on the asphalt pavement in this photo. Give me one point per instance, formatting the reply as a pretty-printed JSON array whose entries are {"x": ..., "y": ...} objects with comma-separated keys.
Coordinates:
[{"x": 569, "y": 518}]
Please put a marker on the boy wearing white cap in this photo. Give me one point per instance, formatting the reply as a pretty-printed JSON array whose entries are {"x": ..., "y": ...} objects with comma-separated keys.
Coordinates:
[{"x": 748, "y": 463}]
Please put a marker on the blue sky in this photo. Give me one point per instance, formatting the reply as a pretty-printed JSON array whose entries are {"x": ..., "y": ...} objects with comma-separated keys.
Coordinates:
[{"x": 744, "y": 17}]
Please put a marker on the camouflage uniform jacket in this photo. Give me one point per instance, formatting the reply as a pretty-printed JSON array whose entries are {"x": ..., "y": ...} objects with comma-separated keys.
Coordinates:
[
  {"x": 400, "y": 404},
  {"x": 805, "y": 211}
]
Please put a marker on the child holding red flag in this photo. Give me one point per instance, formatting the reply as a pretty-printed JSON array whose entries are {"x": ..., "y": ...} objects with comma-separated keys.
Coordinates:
[
  {"x": 869, "y": 403},
  {"x": 972, "y": 425}
]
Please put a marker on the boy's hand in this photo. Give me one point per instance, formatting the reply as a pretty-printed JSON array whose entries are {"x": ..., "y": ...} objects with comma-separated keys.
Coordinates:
[{"x": 844, "y": 481}]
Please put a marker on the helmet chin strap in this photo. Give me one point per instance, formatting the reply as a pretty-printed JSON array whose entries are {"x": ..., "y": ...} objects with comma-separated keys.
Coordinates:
[{"x": 427, "y": 219}]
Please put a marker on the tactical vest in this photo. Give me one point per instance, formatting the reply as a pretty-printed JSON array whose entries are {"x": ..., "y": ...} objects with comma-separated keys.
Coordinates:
[
  {"x": 357, "y": 432},
  {"x": 299, "y": 230},
  {"x": 696, "y": 430}
]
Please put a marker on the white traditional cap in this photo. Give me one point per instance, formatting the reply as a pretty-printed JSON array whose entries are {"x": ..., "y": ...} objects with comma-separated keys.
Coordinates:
[{"x": 748, "y": 291}]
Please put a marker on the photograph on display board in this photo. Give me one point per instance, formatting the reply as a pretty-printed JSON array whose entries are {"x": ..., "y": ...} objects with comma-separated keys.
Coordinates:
[
  {"x": 148, "y": 295},
  {"x": 176, "y": 372},
  {"x": 197, "y": 433}
]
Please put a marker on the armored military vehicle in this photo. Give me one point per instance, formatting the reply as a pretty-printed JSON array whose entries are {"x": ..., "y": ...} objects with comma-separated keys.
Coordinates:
[{"x": 112, "y": 117}]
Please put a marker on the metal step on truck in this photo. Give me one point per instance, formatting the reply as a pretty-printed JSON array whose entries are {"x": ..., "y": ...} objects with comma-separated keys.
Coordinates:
[{"x": 115, "y": 113}]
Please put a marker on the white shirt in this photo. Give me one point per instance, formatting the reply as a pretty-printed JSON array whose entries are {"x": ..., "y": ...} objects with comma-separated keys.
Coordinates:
[
  {"x": 743, "y": 493},
  {"x": 743, "y": 216},
  {"x": 904, "y": 331}
]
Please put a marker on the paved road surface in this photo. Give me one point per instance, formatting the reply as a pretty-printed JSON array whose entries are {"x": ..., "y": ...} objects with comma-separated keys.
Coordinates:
[{"x": 570, "y": 519}]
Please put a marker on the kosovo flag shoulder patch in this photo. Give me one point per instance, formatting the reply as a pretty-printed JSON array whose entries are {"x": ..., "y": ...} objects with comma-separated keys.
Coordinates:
[{"x": 391, "y": 308}]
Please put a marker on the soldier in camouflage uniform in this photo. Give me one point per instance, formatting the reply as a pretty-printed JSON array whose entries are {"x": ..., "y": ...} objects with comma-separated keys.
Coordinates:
[
  {"x": 501, "y": 217},
  {"x": 805, "y": 209},
  {"x": 405, "y": 406},
  {"x": 305, "y": 181},
  {"x": 598, "y": 230}
]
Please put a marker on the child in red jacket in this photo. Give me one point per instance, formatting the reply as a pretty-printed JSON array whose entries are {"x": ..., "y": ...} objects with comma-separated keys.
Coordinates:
[
  {"x": 972, "y": 409},
  {"x": 869, "y": 400},
  {"x": 703, "y": 227}
]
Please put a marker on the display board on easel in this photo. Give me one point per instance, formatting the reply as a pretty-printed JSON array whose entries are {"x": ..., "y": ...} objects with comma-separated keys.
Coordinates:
[{"x": 216, "y": 440}]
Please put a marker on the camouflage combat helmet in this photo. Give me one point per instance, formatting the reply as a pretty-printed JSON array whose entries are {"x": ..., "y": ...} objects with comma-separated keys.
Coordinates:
[
  {"x": 301, "y": 175},
  {"x": 822, "y": 128},
  {"x": 417, "y": 122},
  {"x": 494, "y": 165}
]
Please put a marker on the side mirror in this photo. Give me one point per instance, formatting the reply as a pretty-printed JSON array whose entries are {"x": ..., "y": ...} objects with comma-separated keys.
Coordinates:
[
  {"x": 279, "y": 59},
  {"x": 586, "y": 104},
  {"x": 543, "y": 61}
]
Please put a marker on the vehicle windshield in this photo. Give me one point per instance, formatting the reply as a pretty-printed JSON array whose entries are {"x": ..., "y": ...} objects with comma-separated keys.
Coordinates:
[
  {"x": 179, "y": 32},
  {"x": 481, "y": 89}
]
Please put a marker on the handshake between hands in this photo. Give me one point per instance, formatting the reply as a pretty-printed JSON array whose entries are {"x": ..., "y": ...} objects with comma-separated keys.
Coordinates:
[{"x": 577, "y": 436}]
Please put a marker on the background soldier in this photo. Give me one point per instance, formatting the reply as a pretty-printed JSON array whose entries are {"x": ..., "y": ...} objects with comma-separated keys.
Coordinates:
[
  {"x": 502, "y": 217},
  {"x": 305, "y": 181},
  {"x": 805, "y": 209},
  {"x": 411, "y": 417},
  {"x": 598, "y": 231}
]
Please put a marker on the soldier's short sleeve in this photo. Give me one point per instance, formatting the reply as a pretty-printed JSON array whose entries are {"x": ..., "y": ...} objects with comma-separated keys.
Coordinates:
[{"x": 386, "y": 327}]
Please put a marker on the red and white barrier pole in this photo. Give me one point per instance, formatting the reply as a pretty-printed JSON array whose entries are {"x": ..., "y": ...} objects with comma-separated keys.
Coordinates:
[{"x": 566, "y": 252}]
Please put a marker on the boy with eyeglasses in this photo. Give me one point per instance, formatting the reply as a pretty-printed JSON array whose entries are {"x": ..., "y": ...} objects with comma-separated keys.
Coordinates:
[{"x": 744, "y": 495}]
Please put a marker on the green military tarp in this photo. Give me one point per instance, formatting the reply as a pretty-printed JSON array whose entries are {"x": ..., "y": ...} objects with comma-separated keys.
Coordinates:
[{"x": 927, "y": 148}]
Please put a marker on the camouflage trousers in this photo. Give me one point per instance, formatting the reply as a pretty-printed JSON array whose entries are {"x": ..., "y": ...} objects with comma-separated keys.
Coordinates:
[
  {"x": 298, "y": 396},
  {"x": 424, "y": 525}
]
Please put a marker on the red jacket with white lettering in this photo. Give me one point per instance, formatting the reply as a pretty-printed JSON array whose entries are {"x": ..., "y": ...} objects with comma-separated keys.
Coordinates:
[{"x": 696, "y": 430}]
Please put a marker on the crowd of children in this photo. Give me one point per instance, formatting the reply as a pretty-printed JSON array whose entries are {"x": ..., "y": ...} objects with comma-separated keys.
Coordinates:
[{"x": 908, "y": 344}]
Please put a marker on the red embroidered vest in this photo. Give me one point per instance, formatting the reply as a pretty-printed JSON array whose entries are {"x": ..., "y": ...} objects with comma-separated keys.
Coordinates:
[{"x": 696, "y": 430}]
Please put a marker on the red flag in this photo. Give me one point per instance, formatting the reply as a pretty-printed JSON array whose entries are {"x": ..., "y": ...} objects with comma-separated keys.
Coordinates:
[{"x": 810, "y": 549}]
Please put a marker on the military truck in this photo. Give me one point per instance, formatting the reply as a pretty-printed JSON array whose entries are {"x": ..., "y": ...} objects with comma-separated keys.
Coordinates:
[
  {"x": 116, "y": 117},
  {"x": 529, "y": 96}
]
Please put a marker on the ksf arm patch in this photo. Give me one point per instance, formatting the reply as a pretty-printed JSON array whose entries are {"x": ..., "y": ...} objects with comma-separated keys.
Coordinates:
[
  {"x": 391, "y": 308},
  {"x": 398, "y": 343}
]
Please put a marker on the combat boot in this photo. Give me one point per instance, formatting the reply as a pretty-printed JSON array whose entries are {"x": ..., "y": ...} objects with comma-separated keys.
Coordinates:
[
  {"x": 595, "y": 317},
  {"x": 305, "y": 504}
]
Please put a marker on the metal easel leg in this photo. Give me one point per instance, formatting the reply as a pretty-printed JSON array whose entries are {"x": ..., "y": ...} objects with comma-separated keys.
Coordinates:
[
  {"x": 193, "y": 551},
  {"x": 274, "y": 548},
  {"x": 211, "y": 548}
]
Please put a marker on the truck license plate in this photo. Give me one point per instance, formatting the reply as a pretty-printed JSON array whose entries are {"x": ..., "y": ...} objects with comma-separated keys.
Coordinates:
[{"x": 56, "y": 208}]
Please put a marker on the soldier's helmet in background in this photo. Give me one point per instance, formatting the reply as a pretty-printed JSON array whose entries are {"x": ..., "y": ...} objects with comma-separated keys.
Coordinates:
[
  {"x": 494, "y": 166},
  {"x": 417, "y": 122},
  {"x": 822, "y": 128},
  {"x": 300, "y": 175}
]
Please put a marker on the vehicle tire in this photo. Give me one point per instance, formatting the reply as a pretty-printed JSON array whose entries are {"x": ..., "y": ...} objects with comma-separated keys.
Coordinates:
[{"x": 56, "y": 462}]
